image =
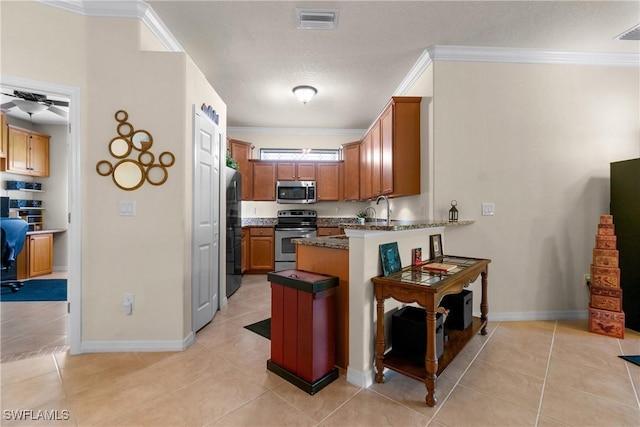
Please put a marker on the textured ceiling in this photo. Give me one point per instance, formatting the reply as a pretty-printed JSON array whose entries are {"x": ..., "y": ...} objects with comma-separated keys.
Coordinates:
[{"x": 253, "y": 55}]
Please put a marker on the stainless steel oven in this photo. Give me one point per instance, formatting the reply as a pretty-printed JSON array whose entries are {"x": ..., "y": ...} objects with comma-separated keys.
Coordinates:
[{"x": 292, "y": 224}]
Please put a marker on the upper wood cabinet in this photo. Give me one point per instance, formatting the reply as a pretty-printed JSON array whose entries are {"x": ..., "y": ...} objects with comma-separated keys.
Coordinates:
[
  {"x": 4, "y": 135},
  {"x": 351, "y": 171},
  {"x": 400, "y": 147},
  {"x": 263, "y": 180},
  {"x": 366, "y": 164},
  {"x": 328, "y": 181},
  {"x": 27, "y": 152},
  {"x": 296, "y": 171},
  {"x": 241, "y": 152},
  {"x": 390, "y": 151}
]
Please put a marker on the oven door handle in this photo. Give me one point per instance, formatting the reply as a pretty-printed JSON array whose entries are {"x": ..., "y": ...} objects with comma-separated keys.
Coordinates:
[{"x": 298, "y": 229}]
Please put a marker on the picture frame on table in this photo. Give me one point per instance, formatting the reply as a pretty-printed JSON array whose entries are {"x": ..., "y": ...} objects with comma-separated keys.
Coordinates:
[
  {"x": 390, "y": 258},
  {"x": 435, "y": 247}
]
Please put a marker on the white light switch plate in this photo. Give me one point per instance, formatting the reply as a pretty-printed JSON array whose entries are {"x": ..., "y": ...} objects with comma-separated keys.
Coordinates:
[
  {"x": 127, "y": 208},
  {"x": 488, "y": 209}
]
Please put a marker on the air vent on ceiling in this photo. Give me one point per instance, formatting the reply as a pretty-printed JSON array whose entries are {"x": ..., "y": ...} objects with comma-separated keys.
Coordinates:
[
  {"x": 317, "y": 19},
  {"x": 631, "y": 34}
]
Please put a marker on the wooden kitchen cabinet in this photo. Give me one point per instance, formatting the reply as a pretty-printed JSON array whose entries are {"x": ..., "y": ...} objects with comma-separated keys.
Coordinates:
[
  {"x": 390, "y": 151},
  {"x": 263, "y": 180},
  {"x": 368, "y": 168},
  {"x": 351, "y": 171},
  {"x": 296, "y": 171},
  {"x": 328, "y": 181},
  {"x": 27, "y": 152},
  {"x": 36, "y": 257},
  {"x": 329, "y": 231},
  {"x": 4, "y": 135},
  {"x": 261, "y": 249},
  {"x": 241, "y": 152},
  {"x": 400, "y": 147}
]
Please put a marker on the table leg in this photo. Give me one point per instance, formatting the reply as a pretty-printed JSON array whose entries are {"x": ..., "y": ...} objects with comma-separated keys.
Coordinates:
[
  {"x": 431, "y": 359},
  {"x": 484, "y": 304},
  {"x": 380, "y": 342}
]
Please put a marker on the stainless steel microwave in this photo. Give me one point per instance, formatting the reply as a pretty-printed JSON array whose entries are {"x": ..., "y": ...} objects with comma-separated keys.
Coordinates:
[{"x": 295, "y": 191}]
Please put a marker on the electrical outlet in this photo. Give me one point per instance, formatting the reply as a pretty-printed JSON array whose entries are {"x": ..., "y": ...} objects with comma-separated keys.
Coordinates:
[{"x": 127, "y": 304}]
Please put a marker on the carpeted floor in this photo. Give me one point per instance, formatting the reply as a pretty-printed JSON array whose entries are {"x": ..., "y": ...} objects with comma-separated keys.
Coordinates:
[
  {"x": 262, "y": 328},
  {"x": 37, "y": 290}
]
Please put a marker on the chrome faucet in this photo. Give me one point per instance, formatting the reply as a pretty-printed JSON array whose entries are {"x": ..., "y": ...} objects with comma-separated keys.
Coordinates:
[
  {"x": 386, "y": 199},
  {"x": 375, "y": 219}
]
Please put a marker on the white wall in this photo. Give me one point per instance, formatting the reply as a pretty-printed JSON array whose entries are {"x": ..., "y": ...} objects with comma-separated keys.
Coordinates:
[
  {"x": 147, "y": 254},
  {"x": 537, "y": 141}
]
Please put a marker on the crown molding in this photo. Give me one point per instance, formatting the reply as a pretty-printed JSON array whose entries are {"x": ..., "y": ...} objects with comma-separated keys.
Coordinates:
[
  {"x": 416, "y": 71},
  {"x": 513, "y": 56},
  {"x": 296, "y": 131},
  {"x": 532, "y": 56},
  {"x": 121, "y": 9}
]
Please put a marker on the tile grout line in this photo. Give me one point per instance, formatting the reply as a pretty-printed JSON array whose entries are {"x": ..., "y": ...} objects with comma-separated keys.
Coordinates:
[
  {"x": 441, "y": 405},
  {"x": 546, "y": 373},
  {"x": 626, "y": 365}
]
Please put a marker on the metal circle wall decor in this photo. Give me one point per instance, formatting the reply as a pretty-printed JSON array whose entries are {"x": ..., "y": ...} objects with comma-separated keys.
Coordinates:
[{"x": 130, "y": 173}]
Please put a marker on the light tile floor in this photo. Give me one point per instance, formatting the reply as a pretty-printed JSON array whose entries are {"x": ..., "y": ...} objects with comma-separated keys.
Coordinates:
[{"x": 551, "y": 373}]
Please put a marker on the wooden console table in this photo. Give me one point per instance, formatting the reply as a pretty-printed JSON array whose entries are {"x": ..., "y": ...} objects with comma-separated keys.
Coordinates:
[{"x": 413, "y": 284}]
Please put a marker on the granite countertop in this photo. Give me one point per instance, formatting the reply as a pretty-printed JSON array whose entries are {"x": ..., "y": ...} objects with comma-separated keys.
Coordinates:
[
  {"x": 259, "y": 222},
  {"x": 322, "y": 222},
  {"x": 397, "y": 225},
  {"x": 334, "y": 242}
]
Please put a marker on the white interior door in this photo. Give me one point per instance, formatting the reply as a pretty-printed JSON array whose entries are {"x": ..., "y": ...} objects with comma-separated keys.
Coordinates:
[{"x": 205, "y": 283}]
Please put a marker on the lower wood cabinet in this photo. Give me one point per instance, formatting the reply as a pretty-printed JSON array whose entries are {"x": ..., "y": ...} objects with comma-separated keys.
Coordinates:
[
  {"x": 329, "y": 231},
  {"x": 261, "y": 249},
  {"x": 36, "y": 257}
]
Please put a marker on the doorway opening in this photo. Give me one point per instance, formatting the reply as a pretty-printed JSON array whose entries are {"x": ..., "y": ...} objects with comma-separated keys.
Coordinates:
[{"x": 60, "y": 323}]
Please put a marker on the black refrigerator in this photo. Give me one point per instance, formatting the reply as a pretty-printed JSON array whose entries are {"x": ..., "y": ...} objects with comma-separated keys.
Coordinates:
[
  {"x": 234, "y": 230},
  {"x": 625, "y": 208}
]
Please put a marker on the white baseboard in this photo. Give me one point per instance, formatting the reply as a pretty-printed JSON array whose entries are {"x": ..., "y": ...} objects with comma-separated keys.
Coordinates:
[
  {"x": 542, "y": 315},
  {"x": 360, "y": 379},
  {"x": 124, "y": 346}
]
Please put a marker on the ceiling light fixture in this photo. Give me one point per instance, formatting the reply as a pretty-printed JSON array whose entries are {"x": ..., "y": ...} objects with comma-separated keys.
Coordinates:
[
  {"x": 304, "y": 93},
  {"x": 29, "y": 107}
]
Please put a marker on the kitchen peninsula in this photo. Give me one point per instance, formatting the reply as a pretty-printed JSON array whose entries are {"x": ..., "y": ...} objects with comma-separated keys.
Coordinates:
[{"x": 359, "y": 248}]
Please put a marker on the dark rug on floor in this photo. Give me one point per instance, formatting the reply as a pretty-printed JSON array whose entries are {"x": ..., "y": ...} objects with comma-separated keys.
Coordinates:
[
  {"x": 37, "y": 290},
  {"x": 633, "y": 359},
  {"x": 262, "y": 328}
]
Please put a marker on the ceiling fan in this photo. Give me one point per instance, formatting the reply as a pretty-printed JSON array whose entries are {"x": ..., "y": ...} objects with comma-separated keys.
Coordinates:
[{"x": 34, "y": 103}]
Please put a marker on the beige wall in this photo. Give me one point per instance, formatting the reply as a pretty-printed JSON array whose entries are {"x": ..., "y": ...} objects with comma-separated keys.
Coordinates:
[
  {"x": 147, "y": 254},
  {"x": 537, "y": 141}
]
